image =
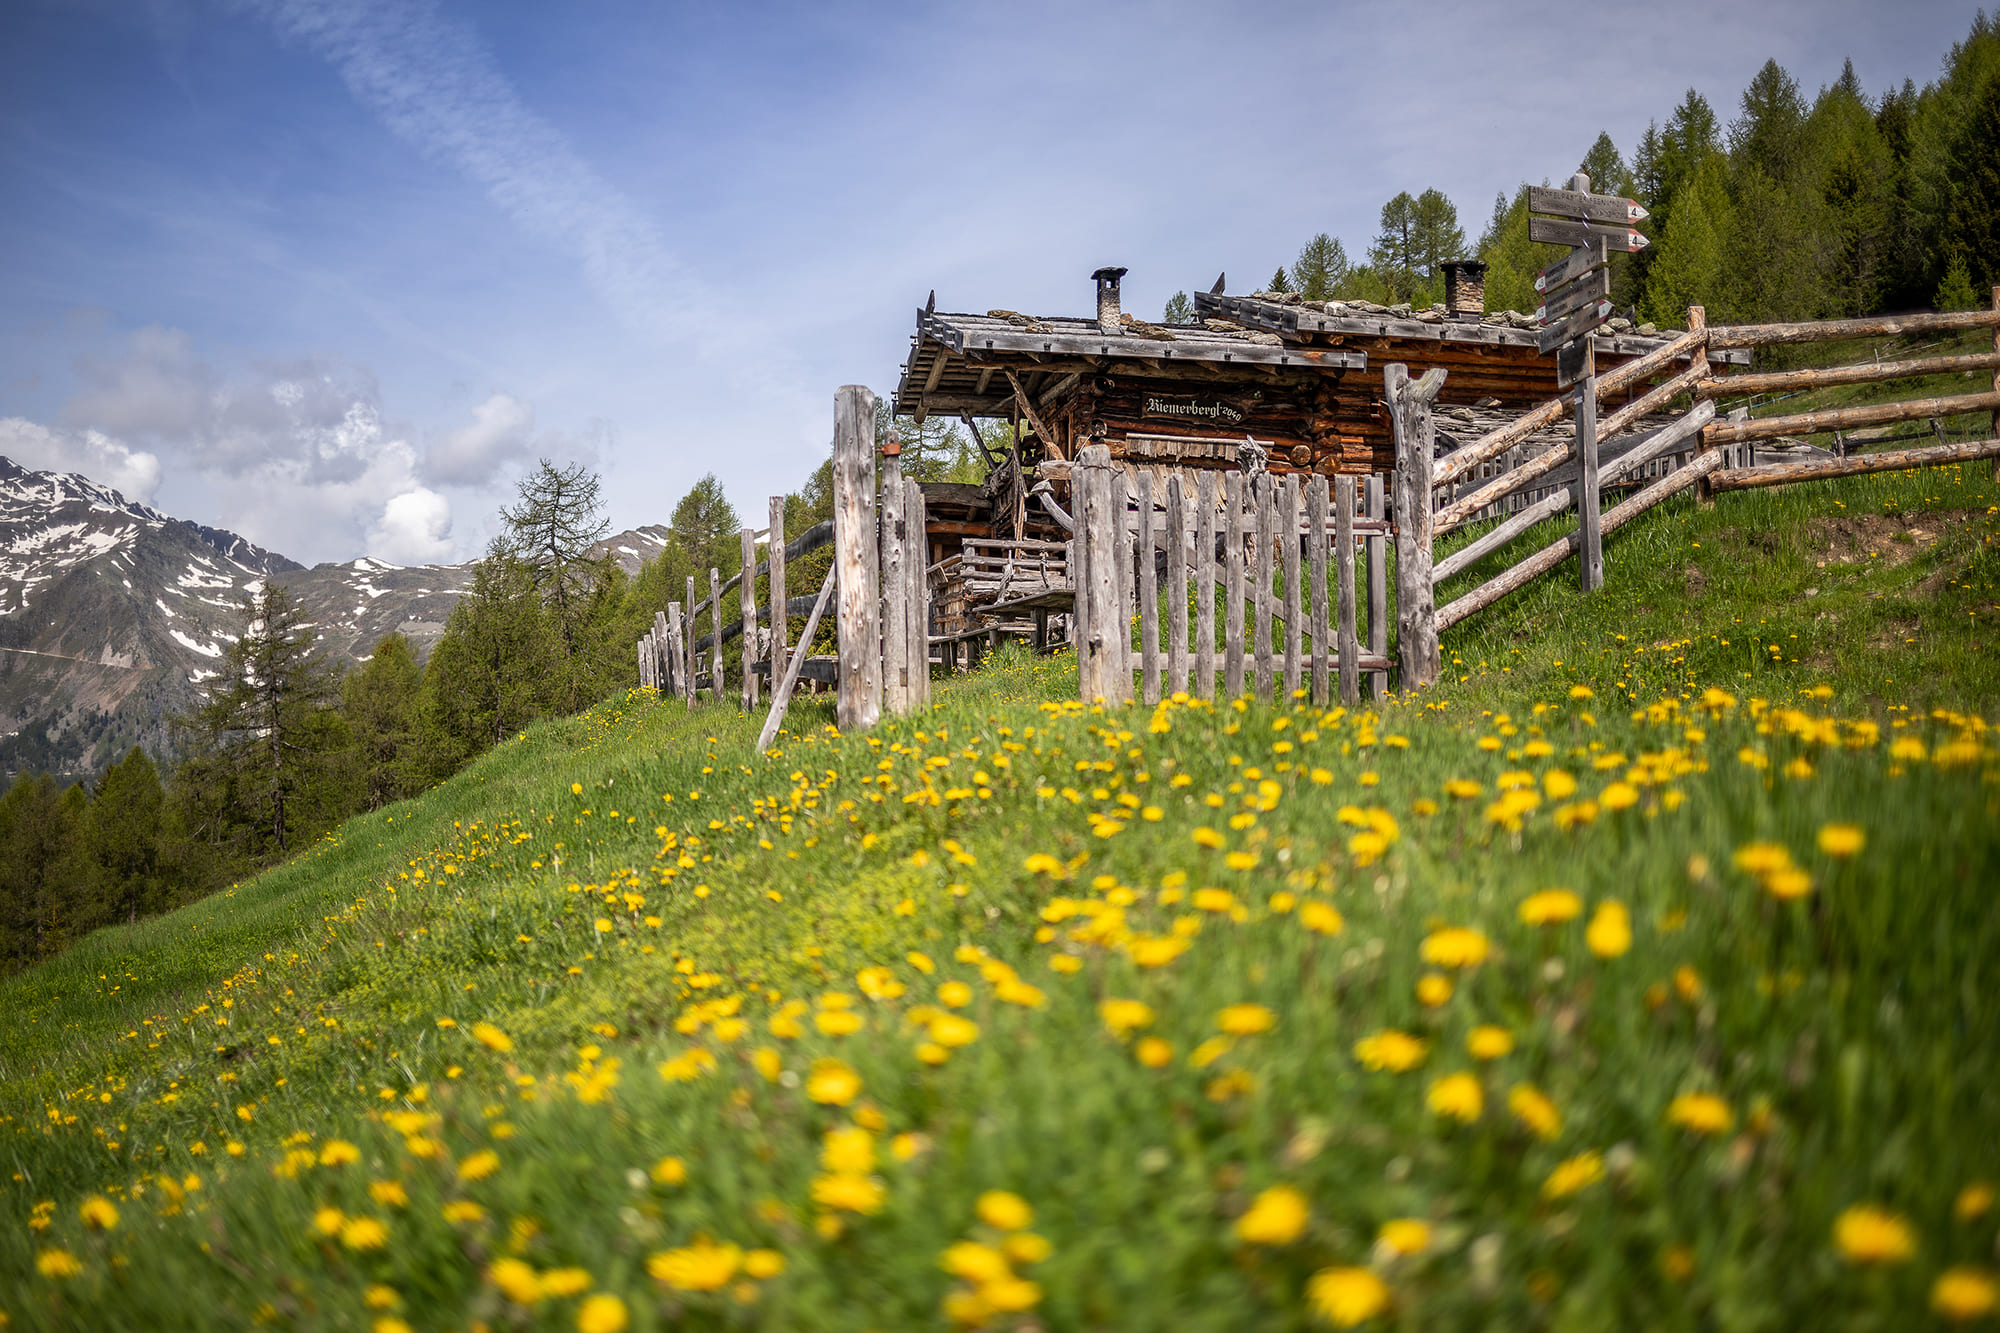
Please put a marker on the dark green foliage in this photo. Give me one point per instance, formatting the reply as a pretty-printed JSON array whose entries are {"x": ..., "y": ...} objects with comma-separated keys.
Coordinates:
[
  {"x": 1419, "y": 234},
  {"x": 1321, "y": 268},
  {"x": 381, "y": 701},
  {"x": 44, "y": 870},
  {"x": 490, "y": 673},
  {"x": 1280, "y": 282},
  {"x": 124, "y": 834},
  {"x": 1179, "y": 310}
]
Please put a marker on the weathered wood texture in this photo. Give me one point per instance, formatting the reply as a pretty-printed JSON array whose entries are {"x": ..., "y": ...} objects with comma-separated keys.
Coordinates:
[
  {"x": 781, "y": 693},
  {"x": 1377, "y": 551},
  {"x": 717, "y": 673},
  {"x": 780, "y": 622},
  {"x": 1288, "y": 530},
  {"x": 1416, "y": 611},
  {"x": 677, "y": 654},
  {"x": 1832, "y": 330},
  {"x": 747, "y": 609},
  {"x": 1101, "y": 653},
  {"x": 858, "y": 704},
  {"x": 1322, "y": 620},
  {"x": 1848, "y": 418},
  {"x": 1204, "y": 586},
  {"x": 1149, "y": 594},
  {"x": 1590, "y": 548},
  {"x": 1788, "y": 381},
  {"x": 1177, "y": 585},
  {"x": 1552, "y": 555},
  {"x": 689, "y": 628},
  {"x": 892, "y": 533},
  {"x": 1349, "y": 642},
  {"x": 1233, "y": 624},
  {"x": 918, "y": 604},
  {"x": 1896, "y": 460}
]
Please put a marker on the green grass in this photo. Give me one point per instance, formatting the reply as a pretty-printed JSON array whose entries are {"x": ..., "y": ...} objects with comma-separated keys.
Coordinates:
[{"x": 1045, "y": 857}]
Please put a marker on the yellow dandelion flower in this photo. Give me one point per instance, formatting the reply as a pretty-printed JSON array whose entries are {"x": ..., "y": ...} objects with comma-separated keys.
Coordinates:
[
  {"x": 463, "y": 1210},
  {"x": 379, "y": 1297},
  {"x": 670, "y": 1171},
  {"x": 1157, "y": 950},
  {"x": 338, "y": 1152},
  {"x": 1321, "y": 918},
  {"x": 1276, "y": 1217},
  {"x": 1457, "y": 1096},
  {"x": 492, "y": 1037},
  {"x": 1964, "y": 1293},
  {"x": 974, "y": 1262},
  {"x": 1125, "y": 1016},
  {"x": 1788, "y": 883},
  {"x": 329, "y": 1221},
  {"x": 1973, "y": 1202},
  {"x": 389, "y": 1193},
  {"x": 1609, "y": 933},
  {"x": 1391, "y": 1050},
  {"x": 1433, "y": 989},
  {"x": 847, "y": 1149},
  {"x": 479, "y": 1165},
  {"x": 848, "y": 1192},
  {"x": 55, "y": 1263},
  {"x": 1004, "y": 1210},
  {"x": 956, "y": 994},
  {"x": 1010, "y": 1295},
  {"x": 602, "y": 1313},
  {"x": 833, "y": 1082},
  {"x": 1761, "y": 858},
  {"x": 763, "y": 1264},
  {"x": 1488, "y": 1042},
  {"x": 99, "y": 1213},
  {"x": 1701, "y": 1113},
  {"x": 364, "y": 1233},
  {"x": 702, "y": 1266},
  {"x": 1347, "y": 1296},
  {"x": 1550, "y": 907},
  {"x": 1559, "y": 785},
  {"x": 1246, "y": 1020},
  {"x": 1405, "y": 1235},
  {"x": 1153, "y": 1053},
  {"x": 1865, "y": 1234},
  {"x": 1842, "y": 840},
  {"x": 1213, "y": 900},
  {"x": 1573, "y": 1174},
  {"x": 1457, "y": 946},
  {"x": 1619, "y": 796}
]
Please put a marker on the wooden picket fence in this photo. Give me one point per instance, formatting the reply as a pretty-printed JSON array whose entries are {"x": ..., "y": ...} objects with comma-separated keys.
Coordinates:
[{"x": 1285, "y": 555}]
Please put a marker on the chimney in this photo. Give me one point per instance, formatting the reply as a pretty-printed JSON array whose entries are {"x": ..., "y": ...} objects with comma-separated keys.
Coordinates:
[
  {"x": 1110, "y": 319},
  {"x": 1465, "y": 289}
]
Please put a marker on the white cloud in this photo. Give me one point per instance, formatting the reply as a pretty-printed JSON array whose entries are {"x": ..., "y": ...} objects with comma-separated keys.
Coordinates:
[
  {"x": 470, "y": 455},
  {"x": 415, "y": 529},
  {"x": 106, "y": 461}
]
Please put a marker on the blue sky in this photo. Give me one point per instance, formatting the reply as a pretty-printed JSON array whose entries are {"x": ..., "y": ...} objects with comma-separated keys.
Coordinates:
[{"x": 331, "y": 274}]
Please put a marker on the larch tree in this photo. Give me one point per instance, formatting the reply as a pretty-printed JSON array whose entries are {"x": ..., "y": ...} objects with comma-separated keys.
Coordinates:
[
  {"x": 550, "y": 531},
  {"x": 1321, "y": 268}
]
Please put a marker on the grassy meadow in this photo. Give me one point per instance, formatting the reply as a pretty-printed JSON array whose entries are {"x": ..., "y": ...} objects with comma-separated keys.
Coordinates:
[{"x": 1642, "y": 973}]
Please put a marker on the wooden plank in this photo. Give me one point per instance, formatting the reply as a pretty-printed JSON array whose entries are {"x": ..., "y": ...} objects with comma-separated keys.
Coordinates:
[
  {"x": 1316, "y": 538},
  {"x": 1572, "y": 297},
  {"x": 692, "y": 612},
  {"x": 1552, "y": 555},
  {"x": 781, "y": 696},
  {"x": 1590, "y": 545},
  {"x": 1585, "y": 206},
  {"x": 1848, "y": 418},
  {"x": 1416, "y": 608},
  {"x": 1574, "y": 265},
  {"x": 1896, "y": 460},
  {"x": 857, "y": 613},
  {"x": 1101, "y": 522},
  {"x": 1177, "y": 585},
  {"x": 1574, "y": 327},
  {"x": 1128, "y": 586},
  {"x": 1149, "y": 593},
  {"x": 1027, "y": 405},
  {"x": 918, "y": 603},
  {"x": 1378, "y": 589},
  {"x": 1263, "y": 494},
  {"x": 1204, "y": 586},
  {"x": 747, "y": 610},
  {"x": 1233, "y": 626},
  {"x": 717, "y": 672},
  {"x": 1788, "y": 381},
  {"x": 1488, "y": 542},
  {"x": 1349, "y": 636},
  {"x": 1832, "y": 330},
  {"x": 891, "y": 535},
  {"x": 1557, "y": 231},
  {"x": 1288, "y": 538},
  {"x": 780, "y": 622}
]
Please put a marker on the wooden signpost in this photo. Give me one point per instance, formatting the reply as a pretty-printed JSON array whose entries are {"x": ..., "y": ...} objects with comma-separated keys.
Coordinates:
[{"x": 1576, "y": 299}]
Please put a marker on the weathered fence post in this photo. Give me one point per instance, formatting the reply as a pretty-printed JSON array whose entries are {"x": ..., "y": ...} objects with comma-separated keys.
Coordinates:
[
  {"x": 1994, "y": 425},
  {"x": 895, "y": 583},
  {"x": 746, "y": 603},
  {"x": 1343, "y": 546},
  {"x": 1589, "y": 540},
  {"x": 858, "y": 615},
  {"x": 1321, "y": 634},
  {"x": 1128, "y": 584},
  {"x": 1288, "y": 524},
  {"x": 917, "y": 552},
  {"x": 780, "y": 618},
  {"x": 693, "y": 617},
  {"x": 1232, "y": 629},
  {"x": 1263, "y": 488},
  {"x": 1378, "y": 587},
  {"x": 1416, "y": 598},
  {"x": 716, "y": 674},
  {"x": 1100, "y": 653},
  {"x": 1204, "y": 586},
  {"x": 677, "y": 655},
  {"x": 1149, "y": 592},
  {"x": 1177, "y": 585}
]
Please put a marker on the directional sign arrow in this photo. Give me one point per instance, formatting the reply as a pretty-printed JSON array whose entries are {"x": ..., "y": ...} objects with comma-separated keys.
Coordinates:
[
  {"x": 1593, "y": 286},
  {"x": 1582, "y": 322},
  {"x": 1587, "y": 207},
  {"x": 1555, "y": 231},
  {"x": 1571, "y": 267}
]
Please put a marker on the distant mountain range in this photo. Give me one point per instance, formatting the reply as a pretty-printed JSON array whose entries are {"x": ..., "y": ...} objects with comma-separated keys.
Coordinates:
[{"x": 112, "y": 614}]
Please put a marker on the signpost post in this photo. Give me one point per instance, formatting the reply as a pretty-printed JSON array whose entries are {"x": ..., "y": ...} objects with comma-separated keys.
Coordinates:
[{"x": 1576, "y": 299}]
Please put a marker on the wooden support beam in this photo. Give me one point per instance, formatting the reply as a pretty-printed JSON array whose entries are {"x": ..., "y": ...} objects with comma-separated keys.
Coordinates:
[
  {"x": 1416, "y": 606},
  {"x": 1149, "y": 594},
  {"x": 1590, "y": 550},
  {"x": 1847, "y": 418},
  {"x": 781, "y": 697},
  {"x": 1233, "y": 626},
  {"x": 895, "y": 571},
  {"x": 1322, "y": 620},
  {"x": 747, "y": 610},
  {"x": 1343, "y": 551},
  {"x": 1026, "y": 403},
  {"x": 1832, "y": 330},
  {"x": 1377, "y": 548},
  {"x": 1854, "y": 465},
  {"x": 780, "y": 622},
  {"x": 858, "y": 614},
  {"x": 1787, "y": 381},
  {"x": 1177, "y": 585},
  {"x": 1204, "y": 585}
]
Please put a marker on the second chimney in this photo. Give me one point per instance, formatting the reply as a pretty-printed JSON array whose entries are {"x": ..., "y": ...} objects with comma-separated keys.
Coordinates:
[
  {"x": 1110, "y": 317},
  {"x": 1465, "y": 289}
]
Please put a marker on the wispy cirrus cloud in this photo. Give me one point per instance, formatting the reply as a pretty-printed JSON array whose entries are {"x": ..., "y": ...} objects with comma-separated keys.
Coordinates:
[{"x": 435, "y": 85}]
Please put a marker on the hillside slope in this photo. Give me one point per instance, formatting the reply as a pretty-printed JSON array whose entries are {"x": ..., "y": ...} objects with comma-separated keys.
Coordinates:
[{"x": 1525, "y": 1002}]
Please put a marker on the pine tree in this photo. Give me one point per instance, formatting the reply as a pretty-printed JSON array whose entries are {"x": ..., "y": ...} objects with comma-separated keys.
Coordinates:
[
  {"x": 124, "y": 834},
  {"x": 1606, "y": 168},
  {"x": 1320, "y": 268},
  {"x": 44, "y": 881},
  {"x": 1512, "y": 260},
  {"x": 1436, "y": 240},
  {"x": 1972, "y": 209},
  {"x": 1281, "y": 282},
  {"x": 263, "y": 741},
  {"x": 1767, "y": 133},
  {"x": 1179, "y": 310},
  {"x": 380, "y": 702},
  {"x": 494, "y": 670},
  {"x": 1956, "y": 291},
  {"x": 1689, "y": 268}
]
